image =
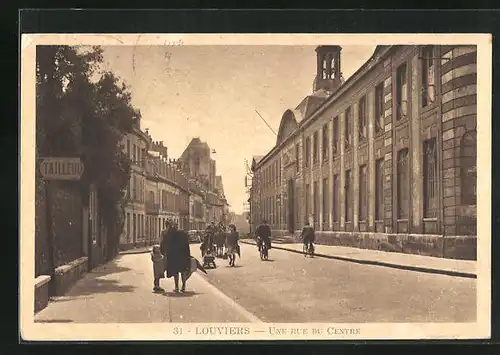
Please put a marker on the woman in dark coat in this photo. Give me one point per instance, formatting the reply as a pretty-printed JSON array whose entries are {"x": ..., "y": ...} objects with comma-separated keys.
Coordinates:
[{"x": 176, "y": 247}]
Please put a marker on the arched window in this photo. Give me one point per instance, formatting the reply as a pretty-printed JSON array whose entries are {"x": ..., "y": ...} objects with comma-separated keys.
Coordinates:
[{"x": 468, "y": 166}]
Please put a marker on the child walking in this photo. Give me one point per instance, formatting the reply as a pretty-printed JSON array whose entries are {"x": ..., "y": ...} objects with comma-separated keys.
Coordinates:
[{"x": 158, "y": 268}]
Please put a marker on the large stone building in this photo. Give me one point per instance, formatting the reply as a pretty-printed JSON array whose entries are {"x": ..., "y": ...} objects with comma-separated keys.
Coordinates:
[
  {"x": 197, "y": 163},
  {"x": 136, "y": 145},
  {"x": 196, "y": 205},
  {"x": 157, "y": 191},
  {"x": 385, "y": 160}
]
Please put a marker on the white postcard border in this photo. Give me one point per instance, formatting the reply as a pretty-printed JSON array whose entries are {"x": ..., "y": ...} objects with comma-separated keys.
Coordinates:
[{"x": 253, "y": 331}]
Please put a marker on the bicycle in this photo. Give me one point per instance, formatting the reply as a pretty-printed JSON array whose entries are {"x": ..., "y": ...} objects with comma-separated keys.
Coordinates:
[{"x": 308, "y": 249}]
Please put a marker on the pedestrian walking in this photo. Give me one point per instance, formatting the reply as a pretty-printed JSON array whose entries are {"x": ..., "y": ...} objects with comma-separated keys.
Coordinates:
[
  {"x": 177, "y": 255},
  {"x": 232, "y": 244},
  {"x": 158, "y": 267}
]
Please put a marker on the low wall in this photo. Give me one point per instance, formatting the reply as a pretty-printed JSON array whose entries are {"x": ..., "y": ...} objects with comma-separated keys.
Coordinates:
[
  {"x": 41, "y": 292},
  {"x": 68, "y": 274},
  {"x": 452, "y": 247}
]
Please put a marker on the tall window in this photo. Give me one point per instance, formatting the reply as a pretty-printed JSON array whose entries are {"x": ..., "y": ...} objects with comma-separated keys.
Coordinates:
[
  {"x": 316, "y": 214},
  {"x": 134, "y": 154},
  {"x": 403, "y": 182},
  {"x": 379, "y": 108},
  {"x": 297, "y": 157},
  {"x": 128, "y": 188},
  {"x": 307, "y": 194},
  {"x": 428, "y": 83},
  {"x": 315, "y": 147},
  {"x": 271, "y": 208},
  {"x": 279, "y": 170},
  {"x": 326, "y": 194},
  {"x": 401, "y": 92},
  {"x": 348, "y": 128},
  {"x": 336, "y": 198},
  {"x": 307, "y": 158},
  {"x": 379, "y": 190},
  {"x": 363, "y": 196},
  {"x": 430, "y": 178},
  {"x": 128, "y": 149},
  {"x": 363, "y": 128},
  {"x": 128, "y": 227},
  {"x": 336, "y": 135},
  {"x": 297, "y": 208},
  {"x": 325, "y": 145},
  {"x": 348, "y": 196},
  {"x": 134, "y": 224},
  {"x": 272, "y": 175},
  {"x": 468, "y": 165},
  {"x": 134, "y": 188}
]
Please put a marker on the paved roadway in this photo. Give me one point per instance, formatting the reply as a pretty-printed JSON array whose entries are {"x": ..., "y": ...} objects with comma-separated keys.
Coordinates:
[
  {"x": 287, "y": 288},
  {"x": 292, "y": 288}
]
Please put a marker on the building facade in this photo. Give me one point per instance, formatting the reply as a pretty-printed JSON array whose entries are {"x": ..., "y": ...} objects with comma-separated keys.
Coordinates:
[
  {"x": 385, "y": 160},
  {"x": 157, "y": 191},
  {"x": 196, "y": 206},
  {"x": 196, "y": 162},
  {"x": 135, "y": 145}
]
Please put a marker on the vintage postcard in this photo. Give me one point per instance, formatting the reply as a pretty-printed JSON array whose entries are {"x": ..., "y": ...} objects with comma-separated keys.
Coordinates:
[{"x": 255, "y": 187}]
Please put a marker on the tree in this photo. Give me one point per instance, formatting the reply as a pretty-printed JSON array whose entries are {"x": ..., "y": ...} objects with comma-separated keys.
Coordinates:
[{"x": 83, "y": 112}]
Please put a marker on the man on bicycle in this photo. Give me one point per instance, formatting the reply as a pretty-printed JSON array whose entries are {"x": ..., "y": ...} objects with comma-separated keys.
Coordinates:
[
  {"x": 308, "y": 236},
  {"x": 263, "y": 234}
]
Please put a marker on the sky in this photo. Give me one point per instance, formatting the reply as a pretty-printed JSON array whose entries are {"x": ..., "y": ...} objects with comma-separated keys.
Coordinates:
[{"x": 212, "y": 92}]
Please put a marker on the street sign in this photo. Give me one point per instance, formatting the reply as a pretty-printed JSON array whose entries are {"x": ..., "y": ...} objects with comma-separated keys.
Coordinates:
[{"x": 61, "y": 168}]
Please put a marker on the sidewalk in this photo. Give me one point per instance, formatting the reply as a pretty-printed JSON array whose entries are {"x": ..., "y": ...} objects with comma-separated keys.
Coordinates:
[
  {"x": 121, "y": 292},
  {"x": 462, "y": 268},
  {"x": 137, "y": 250}
]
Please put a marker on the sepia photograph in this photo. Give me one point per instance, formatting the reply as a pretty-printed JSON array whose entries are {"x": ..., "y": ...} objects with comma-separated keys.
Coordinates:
[{"x": 255, "y": 187}]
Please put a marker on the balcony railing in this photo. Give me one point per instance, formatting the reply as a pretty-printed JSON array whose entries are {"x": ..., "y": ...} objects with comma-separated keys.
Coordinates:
[{"x": 152, "y": 208}]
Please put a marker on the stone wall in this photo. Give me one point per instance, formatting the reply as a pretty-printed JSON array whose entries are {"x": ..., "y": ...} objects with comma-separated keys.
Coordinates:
[
  {"x": 68, "y": 274},
  {"x": 457, "y": 247},
  {"x": 41, "y": 292}
]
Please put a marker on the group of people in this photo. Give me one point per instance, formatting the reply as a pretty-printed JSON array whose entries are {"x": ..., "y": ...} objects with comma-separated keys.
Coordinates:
[
  {"x": 171, "y": 257},
  {"x": 220, "y": 240}
]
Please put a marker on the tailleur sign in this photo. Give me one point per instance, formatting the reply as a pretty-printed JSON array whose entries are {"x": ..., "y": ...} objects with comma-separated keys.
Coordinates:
[{"x": 61, "y": 168}]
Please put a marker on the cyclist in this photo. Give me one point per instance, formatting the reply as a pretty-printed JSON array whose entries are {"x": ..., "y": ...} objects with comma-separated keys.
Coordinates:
[
  {"x": 308, "y": 237},
  {"x": 263, "y": 234}
]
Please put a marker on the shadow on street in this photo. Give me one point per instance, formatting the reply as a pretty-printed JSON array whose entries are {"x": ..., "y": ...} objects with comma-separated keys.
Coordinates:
[
  {"x": 110, "y": 268},
  {"x": 54, "y": 321},
  {"x": 94, "y": 285},
  {"x": 181, "y": 294},
  {"x": 69, "y": 298}
]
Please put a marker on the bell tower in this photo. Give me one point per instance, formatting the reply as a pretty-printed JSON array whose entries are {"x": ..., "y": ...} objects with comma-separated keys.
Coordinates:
[{"x": 328, "y": 74}]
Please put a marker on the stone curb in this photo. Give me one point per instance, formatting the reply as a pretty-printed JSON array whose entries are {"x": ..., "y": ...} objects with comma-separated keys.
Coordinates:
[
  {"x": 126, "y": 252},
  {"x": 381, "y": 263}
]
